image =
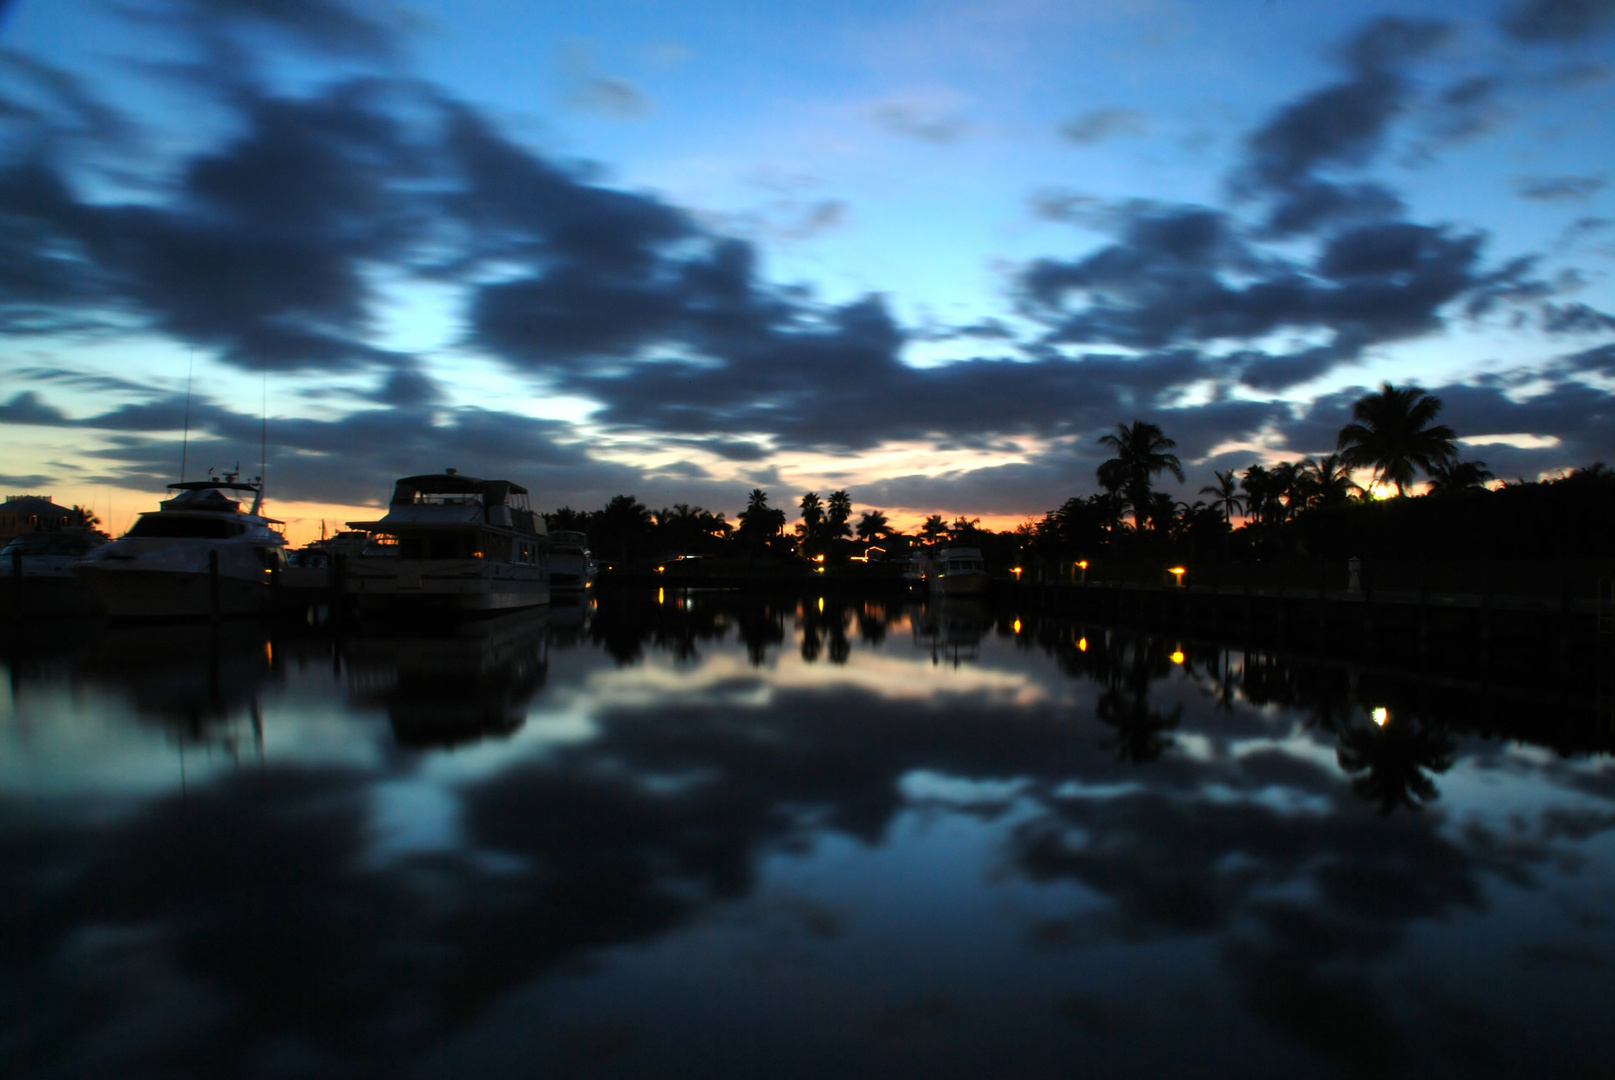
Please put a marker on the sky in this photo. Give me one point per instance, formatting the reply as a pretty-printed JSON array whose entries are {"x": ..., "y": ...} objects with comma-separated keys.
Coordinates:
[{"x": 928, "y": 252}]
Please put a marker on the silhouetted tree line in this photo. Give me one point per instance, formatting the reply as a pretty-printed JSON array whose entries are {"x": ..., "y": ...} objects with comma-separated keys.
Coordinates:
[
  {"x": 1306, "y": 508},
  {"x": 1313, "y": 507}
]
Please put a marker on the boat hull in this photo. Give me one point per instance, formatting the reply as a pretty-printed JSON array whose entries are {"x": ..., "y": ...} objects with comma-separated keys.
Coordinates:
[
  {"x": 406, "y": 585},
  {"x": 966, "y": 584},
  {"x": 130, "y": 593}
]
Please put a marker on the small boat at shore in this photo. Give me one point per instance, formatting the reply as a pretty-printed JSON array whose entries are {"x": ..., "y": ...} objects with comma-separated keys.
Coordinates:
[
  {"x": 452, "y": 544},
  {"x": 955, "y": 572},
  {"x": 199, "y": 553},
  {"x": 572, "y": 564}
]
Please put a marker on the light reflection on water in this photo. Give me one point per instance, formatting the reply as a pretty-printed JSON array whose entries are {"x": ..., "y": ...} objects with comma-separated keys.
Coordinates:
[{"x": 723, "y": 835}]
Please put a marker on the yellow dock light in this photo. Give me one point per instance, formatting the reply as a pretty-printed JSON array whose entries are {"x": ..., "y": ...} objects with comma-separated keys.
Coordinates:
[
  {"x": 1178, "y": 572},
  {"x": 1380, "y": 716},
  {"x": 1177, "y": 656},
  {"x": 659, "y": 596},
  {"x": 821, "y": 605},
  {"x": 1082, "y": 645},
  {"x": 1017, "y": 626},
  {"x": 818, "y": 558},
  {"x": 1016, "y": 571}
]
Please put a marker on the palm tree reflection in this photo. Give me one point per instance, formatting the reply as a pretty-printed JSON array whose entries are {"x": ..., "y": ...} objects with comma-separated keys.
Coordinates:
[{"x": 1388, "y": 758}]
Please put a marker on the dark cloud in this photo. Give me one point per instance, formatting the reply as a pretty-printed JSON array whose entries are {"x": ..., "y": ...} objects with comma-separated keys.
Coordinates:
[
  {"x": 1575, "y": 318},
  {"x": 1180, "y": 276},
  {"x": 1557, "y": 21},
  {"x": 1340, "y": 126},
  {"x": 27, "y": 408},
  {"x": 340, "y": 27},
  {"x": 1097, "y": 125},
  {"x": 1558, "y": 188},
  {"x": 260, "y": 253}
]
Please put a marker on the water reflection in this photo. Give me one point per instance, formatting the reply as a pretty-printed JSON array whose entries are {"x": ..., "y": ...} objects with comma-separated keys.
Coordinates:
[
  {"x": 453, "y": 684},
  {"x": 686, "y": 836}
]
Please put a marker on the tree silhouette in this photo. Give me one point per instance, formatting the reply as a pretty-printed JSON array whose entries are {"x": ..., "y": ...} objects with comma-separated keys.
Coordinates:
[
  {"x": 759, "y": 522},
  {"x": 1141, "y": 453},
  {"x": 1225, "y": 498},
  {"x": 934, "y": 528},
  {"x": 1327, "y": 481},
  {"x": 1392, "y": 433},
  {"x": 837, "y": 511},
  {"x": 1453, "y": 477},
  {"x": 1389, "y": 762},
  {"x": 873, "y": 526},
  {"x": 1257, "y": 483}
]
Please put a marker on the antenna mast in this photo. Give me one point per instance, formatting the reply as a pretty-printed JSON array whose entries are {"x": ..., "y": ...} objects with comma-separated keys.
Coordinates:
[{"x": 185, "y": 443}]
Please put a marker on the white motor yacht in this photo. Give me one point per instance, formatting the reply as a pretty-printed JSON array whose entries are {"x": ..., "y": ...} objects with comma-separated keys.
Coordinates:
[
  {"x": 955, "y": 572},
  {"x": 198, "y": 554},
  {"x": 452, "y": 543},
  {"x": 572, "y": 565},
  {"x": 37, "y": 575}
]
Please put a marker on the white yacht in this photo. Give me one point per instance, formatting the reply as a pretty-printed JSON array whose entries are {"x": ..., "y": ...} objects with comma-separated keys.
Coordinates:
[
  {"x": 572, "y": 565},
  {"x": 199, "y": 553},
  {"x": 37, "y": 575},
  {"x": 452, "y": 543},
  {"x": 954, "y": 572}
]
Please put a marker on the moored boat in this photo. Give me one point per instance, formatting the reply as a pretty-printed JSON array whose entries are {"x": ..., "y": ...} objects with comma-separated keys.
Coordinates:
[
  {"x": 199, "y": 553},
  {"x": 572, "y": 565},
  {"x": 956, "y": 571},
  {"x": 450, "y": 543},
  {"x": 37, "y": 576}
]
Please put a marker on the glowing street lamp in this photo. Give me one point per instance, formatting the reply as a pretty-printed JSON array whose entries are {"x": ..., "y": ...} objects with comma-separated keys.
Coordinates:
[
  {"x": 1017, "y": 626},
  {"x": 1083, "y": 566},
  {"x": 1177, "y": 656},
  {"x": 1178, "y": 572},
  {"x": 1082, "y": 645},
  {"x": 1016, "y": 571}
]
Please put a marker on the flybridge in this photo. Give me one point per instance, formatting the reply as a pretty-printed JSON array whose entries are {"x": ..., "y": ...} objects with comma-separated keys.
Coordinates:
[
  {"x": 450, "y": 487},
  {"x": 447, "y": 498}
]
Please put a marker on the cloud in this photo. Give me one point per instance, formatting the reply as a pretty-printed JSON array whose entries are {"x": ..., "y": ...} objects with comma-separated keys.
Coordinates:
[
  {"x": 1059, "y": 204},
  {"x": 1180, "y": 276},
  {"x": 328, "y": 26},
  {"x": 1565, "y": 188},
  {"x": 1340, "y": 126},
  {"x": 1097, "y": 125},
  {"x": 1556, "y": 22},
  {"x": 27, "y": 408},
  {"x": 610, "y": 97},
  {"x": 922, "y": 120}
]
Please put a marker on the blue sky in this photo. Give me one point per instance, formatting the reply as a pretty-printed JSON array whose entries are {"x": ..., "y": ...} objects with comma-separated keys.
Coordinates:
[{"x": 928, "y": 252}]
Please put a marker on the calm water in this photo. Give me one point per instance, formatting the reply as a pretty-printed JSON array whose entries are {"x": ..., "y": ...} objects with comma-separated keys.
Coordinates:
[{"x": 713, "y": 836}]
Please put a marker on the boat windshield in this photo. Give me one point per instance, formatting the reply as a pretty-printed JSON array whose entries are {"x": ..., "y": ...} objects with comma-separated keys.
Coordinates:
[{"x": 170, "y": 526}]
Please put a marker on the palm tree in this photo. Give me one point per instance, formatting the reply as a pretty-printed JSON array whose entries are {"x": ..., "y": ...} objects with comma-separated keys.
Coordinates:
[
  {"x": 1289, "y": 490},
  {"x": 873, "y": 526},
  {"x": 1453, "y": 477},
  {"x": 934, "y": 528},
  {"x": 839, "y": 510},
  {"x": 1141, "y": 453},
  {"x": 1328, "y": 480},
  {"x": 1225, "y": 497},
  {"x": 1391, "y": 431},
  {"x": 760, "y": 522},
  {"x": 1257, "y": 483}
]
